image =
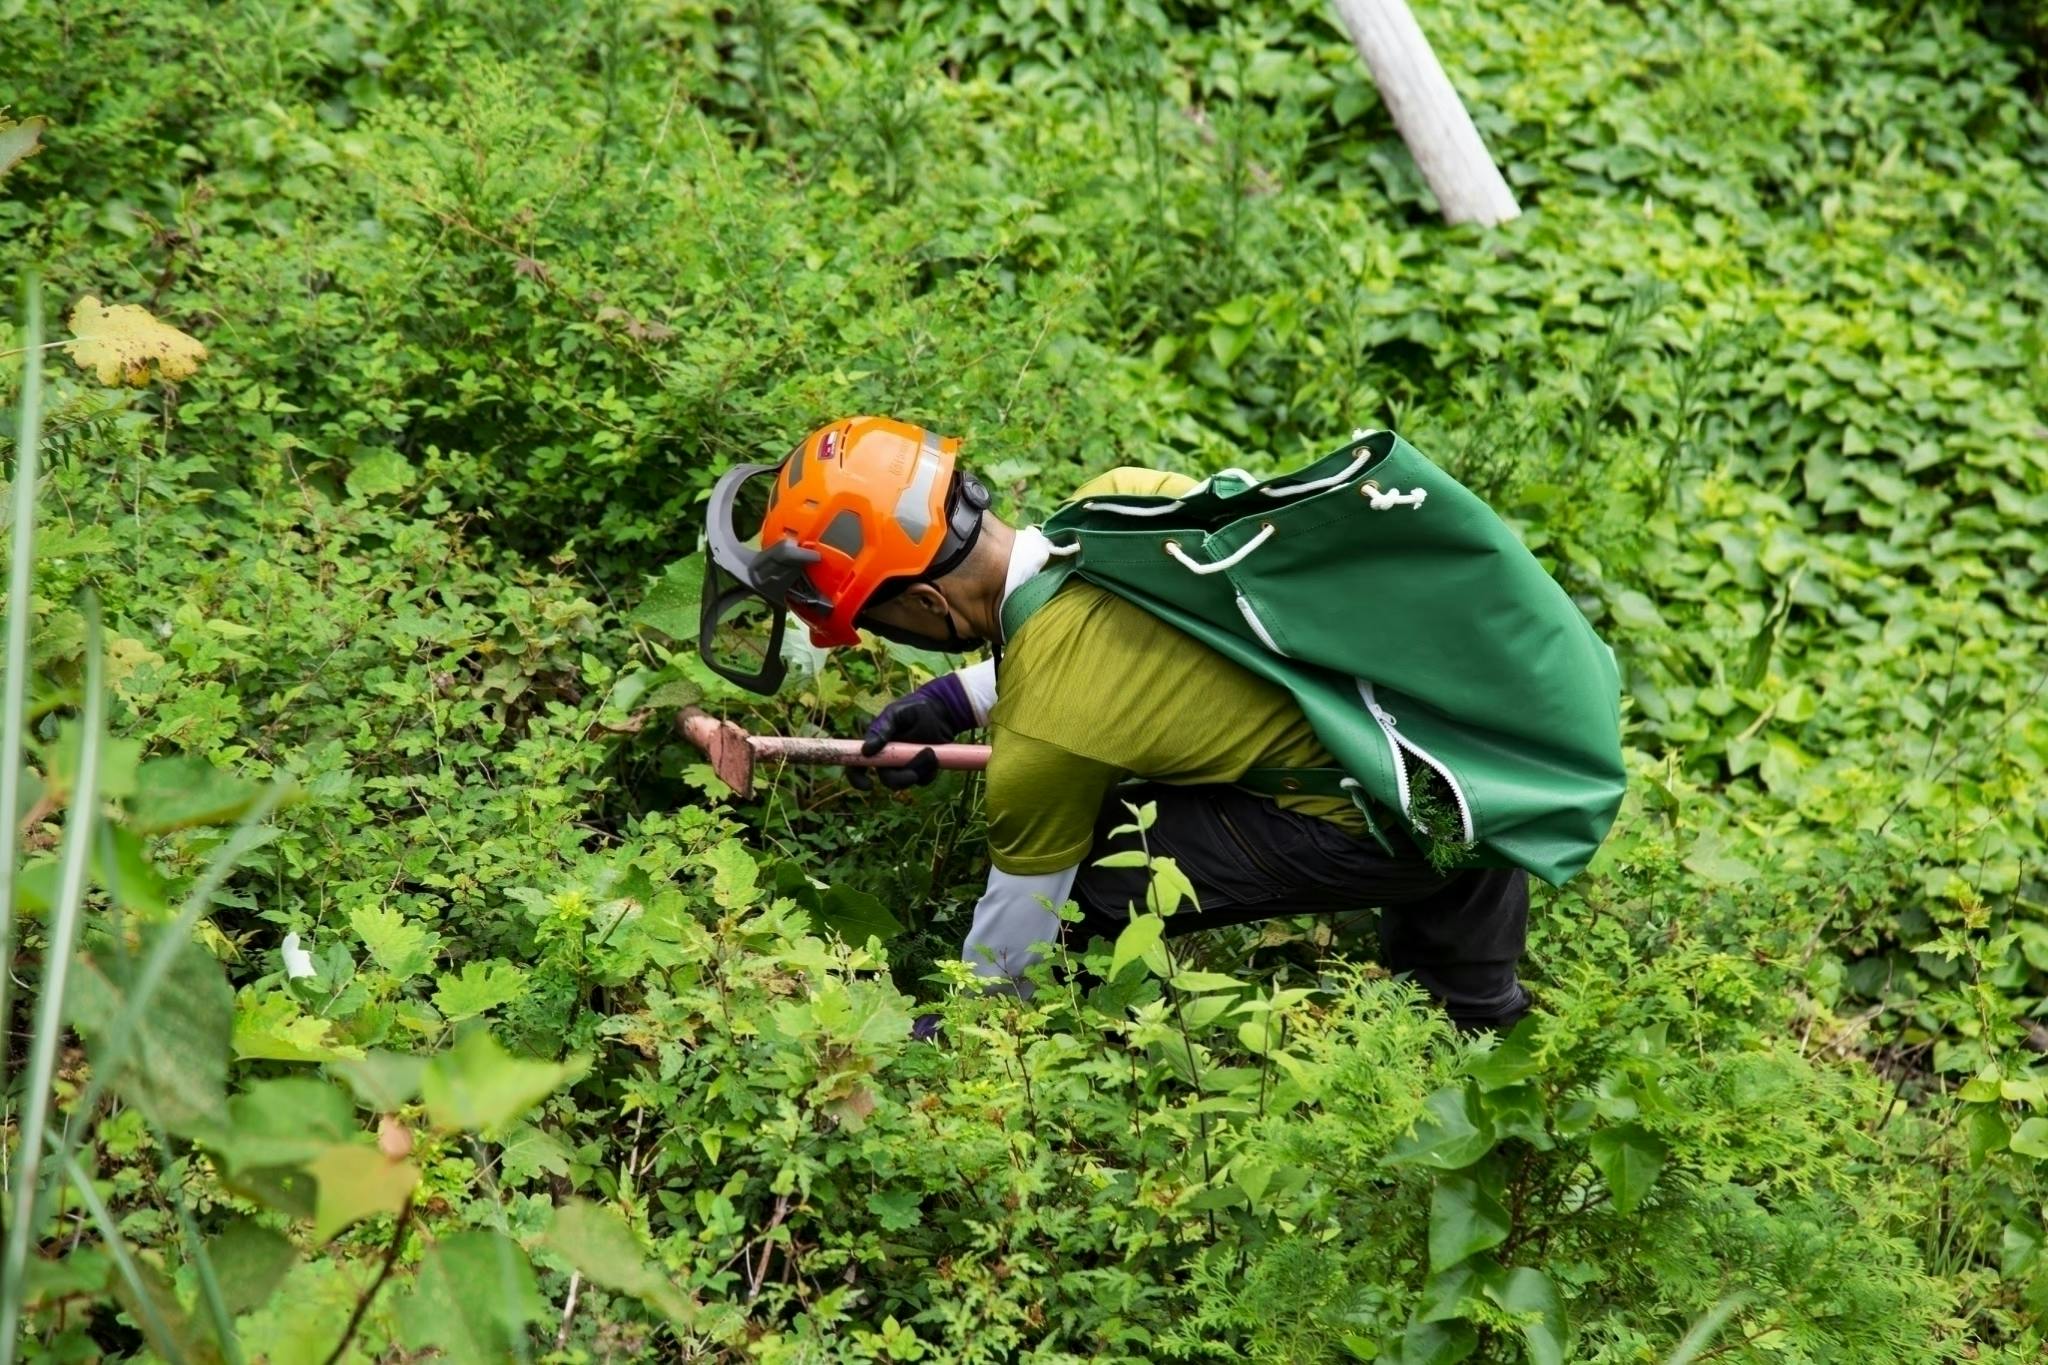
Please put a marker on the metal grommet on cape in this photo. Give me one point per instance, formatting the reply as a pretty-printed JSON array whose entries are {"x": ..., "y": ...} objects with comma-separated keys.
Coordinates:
[{"x": 1368, "y": 488}]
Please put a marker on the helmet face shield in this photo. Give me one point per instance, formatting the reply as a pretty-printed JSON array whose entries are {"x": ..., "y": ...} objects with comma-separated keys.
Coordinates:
[{"x": 747, "y": 589}]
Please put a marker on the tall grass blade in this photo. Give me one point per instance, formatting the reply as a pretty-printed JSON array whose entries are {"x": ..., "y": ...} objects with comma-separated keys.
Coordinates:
[
  {"x": 13, "y": 697},
  {"x": 153, "y": 1325},
  {"x": 1706, "y": 1329},
  {"x": 14, "y": 682},
  {"x": 210, "y": 1292},
  {"x": 120, "y": 1035},
  {"x": 60, "y": 939}
]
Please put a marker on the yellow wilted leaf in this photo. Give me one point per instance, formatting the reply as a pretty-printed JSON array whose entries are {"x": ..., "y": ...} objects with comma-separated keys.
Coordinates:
[
  {"x": 122, "y": 342},
  {"x": 19, "y": 141}
]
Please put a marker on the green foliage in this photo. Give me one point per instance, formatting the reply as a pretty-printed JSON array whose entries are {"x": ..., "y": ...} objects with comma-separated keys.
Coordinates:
[{"x": 396, "y": 591}]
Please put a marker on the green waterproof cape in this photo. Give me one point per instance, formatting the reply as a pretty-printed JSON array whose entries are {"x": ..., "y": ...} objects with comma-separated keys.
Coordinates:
[{"x": 1417, "y": 633}]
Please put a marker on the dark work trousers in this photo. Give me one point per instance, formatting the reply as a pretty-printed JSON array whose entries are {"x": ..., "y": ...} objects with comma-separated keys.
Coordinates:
[{"x": 1458, "y": 935}]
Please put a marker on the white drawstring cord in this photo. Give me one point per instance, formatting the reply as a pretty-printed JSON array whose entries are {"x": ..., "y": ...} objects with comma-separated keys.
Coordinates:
[
  {"x": 1173, "y": 548},
  {"x": 1073, "y": 549},
  {"x": 1289, "y": 489},
  {"x": 1126, "y": 509},
  {"x": 1394, "y": 497}
]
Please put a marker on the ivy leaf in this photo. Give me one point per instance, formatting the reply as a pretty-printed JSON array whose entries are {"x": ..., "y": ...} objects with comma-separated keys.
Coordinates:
[
  {"x": 482, "y": 986},
  {"x": 1450, "y": 1135},
  {"x": 1530, "y": 1295},
  {"x": 1138, "y": 938},
  {"x": 1452, "y": 1293},
  {"x": 176, "y": 1063},
  {"x": 119, "y": 344},
  {"x": 475, "y": 1294},
  {"x": 597, "y": 1241},
  {"x": 1509, "y": 1062},
  {"x": 1463, "y": 1219},
  {"x": 398, "y": 945},
  {"x": 355, "y": 1180},
  {"x": 1628, "y": 1159},
  {"x": 479, "y": 1087}
]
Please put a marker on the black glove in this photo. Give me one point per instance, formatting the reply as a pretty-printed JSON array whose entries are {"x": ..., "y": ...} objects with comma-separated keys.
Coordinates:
[{"x": 936, "y": 713}]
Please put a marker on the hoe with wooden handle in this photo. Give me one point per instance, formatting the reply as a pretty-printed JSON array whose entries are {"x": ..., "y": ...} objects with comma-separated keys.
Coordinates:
[{"x": 733, "y": 752}]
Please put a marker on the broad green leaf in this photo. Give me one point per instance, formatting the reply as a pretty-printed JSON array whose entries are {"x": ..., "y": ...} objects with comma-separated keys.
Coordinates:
[
  {"x": 250, "y": 1261},
  {"x": 1438, "y": 1343},
  {"x": 474, "y": 1294},
  {"x": 1139, "y": 937},
  {"x": 400, "y": 946},
  {"x": 735, "y": 876},
  {"x": 287, "y": 1121},
  {"x": 1508, "y": 1062},
  {"x": 2031, "y": 1138},
  {"x": 1463, "y": 1219},
  {"x": 187, "y": 792},
  {"x": 272, "y": 1027},
  {"x": 1986, "y": 1131},
  {"x": 118, "y": 762},
  {"x": 1628, "y": 1159},
  {"x": 671, "y": 604},
  {"x": 1452, "y": 1293},
  {"x": 479, "y": 1087},
  {"x": 1450, "y": 1135},
  {"x": 597, "y": 1241},
  {"x": 123, "y": 868},
  {"x": 1169, "y": 888},
  {"x": 482, "y": 986},
  {"x": 1208, "y": 981},
  {"x": 530, "y": 1152},
  {"x": 1712, "y": 860},
  {"x": 176, "y": 1068},
  {"x": 382, "y": 1080},
  {"x": 856, "y": 916},
  {"x": 1529, "y": 1295},
  {"x": 355, "y": 1181},
  {"x": 381, "y": 472},
  {"x": 1129, "y": 857}
]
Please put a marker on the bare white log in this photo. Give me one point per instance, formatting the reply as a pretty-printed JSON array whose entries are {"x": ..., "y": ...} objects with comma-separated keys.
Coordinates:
[{"x": 1428, "y": 112}]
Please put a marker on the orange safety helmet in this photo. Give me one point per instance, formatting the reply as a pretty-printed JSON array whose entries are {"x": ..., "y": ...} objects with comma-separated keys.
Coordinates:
[{"x": 859, "y": 511}]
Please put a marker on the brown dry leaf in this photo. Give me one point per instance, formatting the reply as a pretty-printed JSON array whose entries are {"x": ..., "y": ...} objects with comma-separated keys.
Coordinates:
[{"x": 122, "y": 342}]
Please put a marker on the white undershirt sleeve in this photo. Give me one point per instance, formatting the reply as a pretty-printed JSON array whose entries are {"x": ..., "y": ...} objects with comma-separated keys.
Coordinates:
[
  {"x": 979, "y": 682},
  {"x": 1014, "y": 915}
]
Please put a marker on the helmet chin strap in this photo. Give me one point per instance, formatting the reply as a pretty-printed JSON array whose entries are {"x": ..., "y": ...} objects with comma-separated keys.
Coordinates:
[{"x": 953, "y": 642}]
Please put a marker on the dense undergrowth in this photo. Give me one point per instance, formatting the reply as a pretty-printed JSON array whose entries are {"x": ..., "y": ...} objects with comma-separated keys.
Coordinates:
[{"x": 492, "y": 292}]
